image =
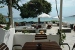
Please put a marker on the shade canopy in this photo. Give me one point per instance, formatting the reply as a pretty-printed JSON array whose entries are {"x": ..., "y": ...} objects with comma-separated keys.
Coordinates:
[{"x": 43, "y": 15}]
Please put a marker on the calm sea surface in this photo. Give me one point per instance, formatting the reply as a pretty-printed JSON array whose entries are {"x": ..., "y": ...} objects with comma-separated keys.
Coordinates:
[{"x": 65, "y": 19}]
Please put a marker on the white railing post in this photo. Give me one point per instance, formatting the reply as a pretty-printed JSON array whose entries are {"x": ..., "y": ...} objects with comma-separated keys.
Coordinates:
[{"x": 60, "y": 17}]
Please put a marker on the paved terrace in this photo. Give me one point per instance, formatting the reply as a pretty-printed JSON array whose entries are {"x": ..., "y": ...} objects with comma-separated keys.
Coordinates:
[{"x": 70, "y": 37}]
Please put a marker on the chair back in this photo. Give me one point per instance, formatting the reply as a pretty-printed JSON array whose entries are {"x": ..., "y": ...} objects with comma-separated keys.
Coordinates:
[
  {"x": 40, "y": 36},
  {"x": 3, "y": 46}
]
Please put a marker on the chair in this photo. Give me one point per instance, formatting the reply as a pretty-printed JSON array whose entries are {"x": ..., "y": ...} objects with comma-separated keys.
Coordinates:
[
  {"x": 39, "y": 26},
  {"x": 65, "y": 44},
  {"x": 3, "y": 46},
  {"x": 73, "y": 47},
  {"x": 49, "y": 26},
  {"x": 41, "y": 38},
  {"x": 74, "y": 28},
  {"x": 16, "y": 45}
]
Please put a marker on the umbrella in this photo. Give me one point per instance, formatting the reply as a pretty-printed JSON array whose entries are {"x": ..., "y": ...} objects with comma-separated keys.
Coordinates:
[{"x": 43, "y": 15}]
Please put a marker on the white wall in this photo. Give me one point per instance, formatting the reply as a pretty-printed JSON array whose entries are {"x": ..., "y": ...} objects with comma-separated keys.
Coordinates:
[
  {"x": 23, "y": 38},
  {"x": 2, "y": 34},
  {"x": 53, "y": 38},
  {"x": 6, "y": 36},
  {"x": 8, "y": 39}
]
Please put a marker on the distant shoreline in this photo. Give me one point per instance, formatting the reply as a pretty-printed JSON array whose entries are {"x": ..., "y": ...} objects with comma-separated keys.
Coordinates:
[
  {"x": 66, "y": 19},
  {"x": 72, "y": 16}
]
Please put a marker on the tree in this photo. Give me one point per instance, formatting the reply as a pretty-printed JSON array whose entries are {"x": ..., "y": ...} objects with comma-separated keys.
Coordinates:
[
  {"x": 10, "y": 4},
  {"x": 34, "y": 7},
  {"x": 2, "y": 19},
  {"x": 6, "y": 2}
]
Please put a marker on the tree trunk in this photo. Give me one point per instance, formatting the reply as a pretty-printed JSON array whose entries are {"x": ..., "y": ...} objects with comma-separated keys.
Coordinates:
[
  {"x": 10, "y": 13},
  {"x": 9, "y": 16}
]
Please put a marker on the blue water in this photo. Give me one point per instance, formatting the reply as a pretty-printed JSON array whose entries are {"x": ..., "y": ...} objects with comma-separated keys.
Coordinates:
[
  {"x": 65, "y": 19},
  {"x": 69, "y": 19}
]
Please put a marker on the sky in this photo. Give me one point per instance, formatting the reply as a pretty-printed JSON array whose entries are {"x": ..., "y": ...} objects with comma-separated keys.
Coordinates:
[{"x": 68, "y": 8}]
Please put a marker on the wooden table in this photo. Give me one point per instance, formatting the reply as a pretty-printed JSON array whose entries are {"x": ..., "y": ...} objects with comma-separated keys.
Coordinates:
[{"x": 44, "y": 46}]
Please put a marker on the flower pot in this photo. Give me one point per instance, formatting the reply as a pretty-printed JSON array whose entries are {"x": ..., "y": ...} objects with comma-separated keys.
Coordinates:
[{"x": 41, "y": 32}]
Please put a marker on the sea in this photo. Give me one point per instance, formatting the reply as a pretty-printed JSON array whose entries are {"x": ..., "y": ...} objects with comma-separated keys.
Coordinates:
[{"x": 70, "y": 20}]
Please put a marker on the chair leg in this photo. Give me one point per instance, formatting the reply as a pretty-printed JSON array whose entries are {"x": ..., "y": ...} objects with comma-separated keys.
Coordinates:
[
  {"x": 17, "y": 45},
  {"x": 65, "y": 44},
  {"x": 73, "y": 46}
]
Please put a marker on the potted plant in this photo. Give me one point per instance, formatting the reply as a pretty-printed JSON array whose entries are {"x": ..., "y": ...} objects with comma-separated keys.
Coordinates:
[{"x": 62, "y": 36}]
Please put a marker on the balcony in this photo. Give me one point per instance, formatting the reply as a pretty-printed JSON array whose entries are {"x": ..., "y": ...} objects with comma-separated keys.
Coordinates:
[{"x": 10, "y": 38}]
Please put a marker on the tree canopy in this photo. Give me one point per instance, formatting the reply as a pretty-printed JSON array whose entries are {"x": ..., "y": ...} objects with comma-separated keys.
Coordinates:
[
  {"x": 30, "y": 9},
  {"x": 6, "y": 2},
  {"x": 34, "y": 8},
  {"x": 2, "y": 19}
]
